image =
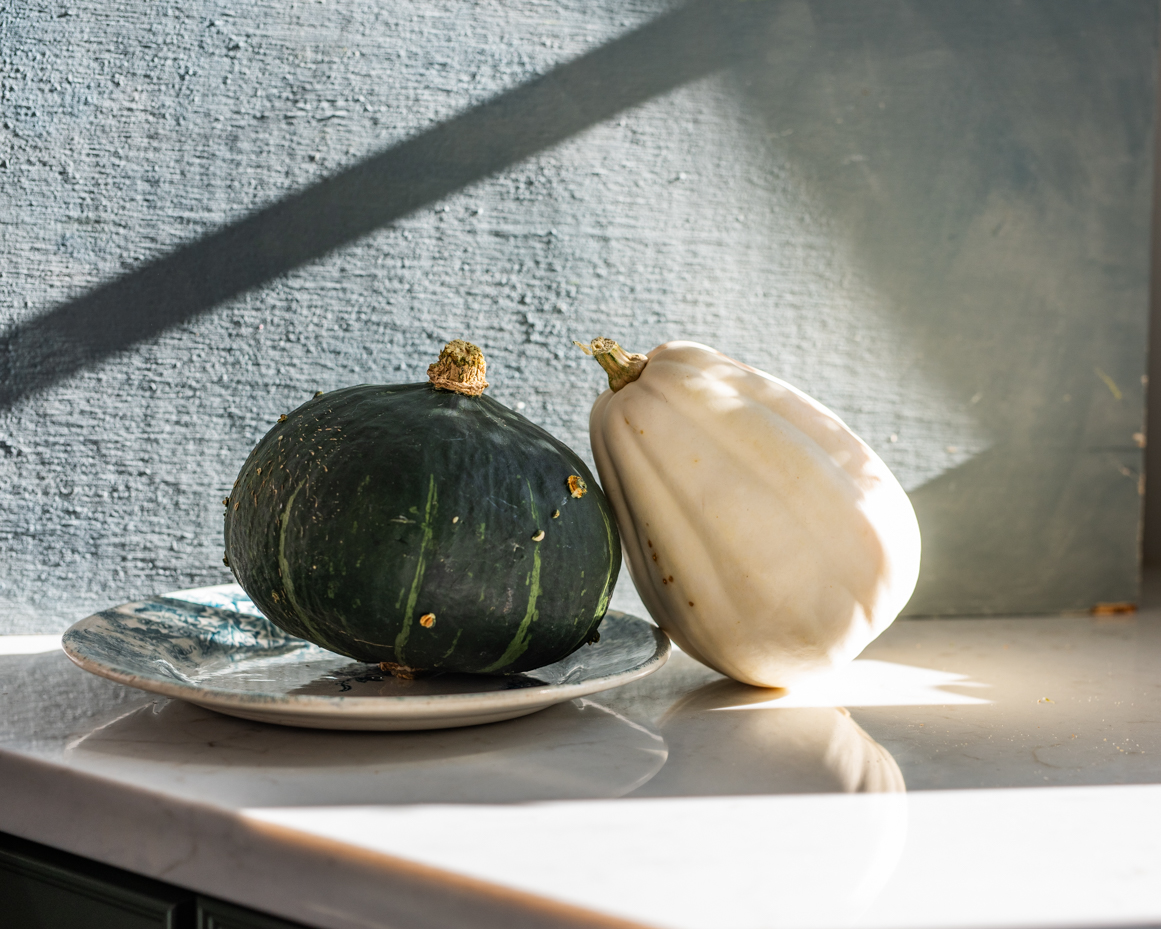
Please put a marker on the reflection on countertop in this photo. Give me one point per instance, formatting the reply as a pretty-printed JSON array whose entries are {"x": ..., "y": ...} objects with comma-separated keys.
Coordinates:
[
  {"x": 573, "y": 751},
  {"x": 765, "y": 751},
  {"x": 582, "y": 749}
]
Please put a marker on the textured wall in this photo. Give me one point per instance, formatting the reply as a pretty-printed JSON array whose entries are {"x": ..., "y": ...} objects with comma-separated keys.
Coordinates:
[{"x": 931, "y": 215}]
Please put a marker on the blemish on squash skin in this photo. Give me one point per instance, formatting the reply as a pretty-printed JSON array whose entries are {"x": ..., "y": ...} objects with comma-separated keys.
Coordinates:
[
  {"x": 427, "y": 620},
  {"x": 427, "y": 529},
  {"x": 401, "y": 671}
]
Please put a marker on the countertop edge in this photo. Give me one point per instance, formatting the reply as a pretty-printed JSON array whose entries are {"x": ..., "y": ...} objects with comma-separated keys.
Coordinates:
[{"x": 276, "y": 869}]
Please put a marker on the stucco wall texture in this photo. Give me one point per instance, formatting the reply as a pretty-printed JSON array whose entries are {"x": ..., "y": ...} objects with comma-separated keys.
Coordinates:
[{"x": 932, "y": 216}]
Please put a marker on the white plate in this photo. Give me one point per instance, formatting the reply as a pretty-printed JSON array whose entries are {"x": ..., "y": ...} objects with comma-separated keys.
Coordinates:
[{"x": 212, "y": 647}]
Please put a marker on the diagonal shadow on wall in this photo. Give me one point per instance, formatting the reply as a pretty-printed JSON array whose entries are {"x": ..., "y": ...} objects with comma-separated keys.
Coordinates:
[{"x": 681, "y": 46}]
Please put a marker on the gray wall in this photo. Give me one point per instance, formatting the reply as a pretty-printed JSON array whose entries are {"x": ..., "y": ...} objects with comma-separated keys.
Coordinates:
[{"x": 931, "y": 215}]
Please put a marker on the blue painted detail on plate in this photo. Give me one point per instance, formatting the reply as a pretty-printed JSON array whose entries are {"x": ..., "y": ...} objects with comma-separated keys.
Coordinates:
[{"x": 222, "y": 652}]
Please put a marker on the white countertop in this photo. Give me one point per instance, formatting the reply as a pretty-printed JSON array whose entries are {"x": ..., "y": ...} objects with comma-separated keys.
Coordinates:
[{"x": 984, "y": 773}]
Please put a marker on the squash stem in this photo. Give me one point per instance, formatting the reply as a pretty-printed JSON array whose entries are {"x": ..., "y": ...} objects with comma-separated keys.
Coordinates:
[
  {"x": 461, "y": 368},
  {"x": 622, "y": 367}
]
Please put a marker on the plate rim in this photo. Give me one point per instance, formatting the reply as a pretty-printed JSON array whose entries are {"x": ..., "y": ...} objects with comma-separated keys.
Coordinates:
[{"x": 418, "y": 706}]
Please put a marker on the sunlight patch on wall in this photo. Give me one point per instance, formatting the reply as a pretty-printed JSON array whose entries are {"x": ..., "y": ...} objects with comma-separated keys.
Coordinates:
[{"x": 749, "y": 262}]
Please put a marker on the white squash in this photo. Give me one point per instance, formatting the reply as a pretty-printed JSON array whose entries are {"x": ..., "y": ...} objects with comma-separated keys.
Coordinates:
[{"x": 763, "y": 535}]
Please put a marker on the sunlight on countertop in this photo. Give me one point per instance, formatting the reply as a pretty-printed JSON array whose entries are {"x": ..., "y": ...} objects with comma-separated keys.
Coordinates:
[
  {"x": 982, "y": 858},
  {"x": 28, "y": 644}
]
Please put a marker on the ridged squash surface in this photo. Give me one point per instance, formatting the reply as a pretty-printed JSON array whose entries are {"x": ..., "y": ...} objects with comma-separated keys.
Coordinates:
[
  {"x": 764, "y": 536},
  {"x": 415, "y": 526}
]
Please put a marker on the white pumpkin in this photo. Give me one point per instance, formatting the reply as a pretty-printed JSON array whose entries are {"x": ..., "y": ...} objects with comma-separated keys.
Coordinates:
[{"x": 763, "y": 535}]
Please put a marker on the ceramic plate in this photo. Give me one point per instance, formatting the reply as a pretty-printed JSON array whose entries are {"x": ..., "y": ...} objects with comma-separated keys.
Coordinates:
[{"x": 212, "y": 647}]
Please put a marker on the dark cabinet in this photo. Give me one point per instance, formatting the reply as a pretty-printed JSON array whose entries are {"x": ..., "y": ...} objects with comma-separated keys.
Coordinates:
[
  {"x": 214, "y": 914},
  {"x": 42, "y": 888}
]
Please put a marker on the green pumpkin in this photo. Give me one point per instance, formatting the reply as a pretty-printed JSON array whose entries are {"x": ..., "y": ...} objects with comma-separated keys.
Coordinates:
[{"x": 424, "y": 527}]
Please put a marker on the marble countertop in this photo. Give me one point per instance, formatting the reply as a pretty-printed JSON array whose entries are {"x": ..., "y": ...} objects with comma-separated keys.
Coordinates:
[{"x": 962, "y": 773}]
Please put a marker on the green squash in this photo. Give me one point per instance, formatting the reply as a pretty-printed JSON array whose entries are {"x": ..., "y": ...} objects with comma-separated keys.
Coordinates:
[{"x": 424, "y": 527}]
